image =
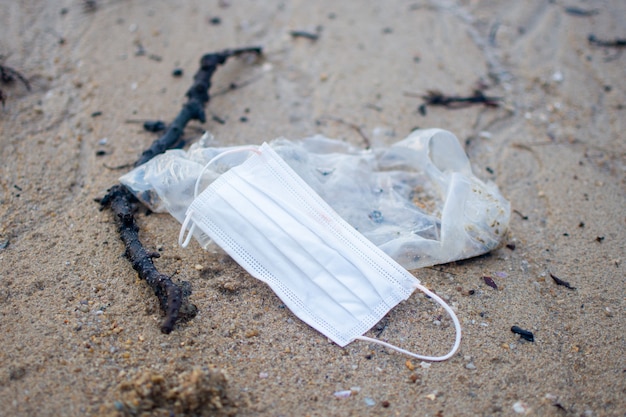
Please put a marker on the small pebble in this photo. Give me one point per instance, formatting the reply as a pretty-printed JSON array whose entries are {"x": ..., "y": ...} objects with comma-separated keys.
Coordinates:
[
  {"x": 369, "y": 402},
  {"x": 557, "y": 76},
  {"x": 251, "y": 333},
  {"x": 198, "y": 267},
  {"x": 425, "y": 365},
  {"x": 520, "y": 407},
  {"x": 343, "y": 394},
  {"x": 263, "y": 375},
  {"x": 470, "y": 366},
  {"x": 177, "y": 72}
]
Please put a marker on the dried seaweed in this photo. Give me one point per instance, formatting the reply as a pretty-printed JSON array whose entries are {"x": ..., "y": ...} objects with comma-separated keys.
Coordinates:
[
  {"x": 437, "y": 98},
  {"x": 612, "y": 43},
  {"x": 8, "y": 76},
  {"x": 119, "y": 199}
]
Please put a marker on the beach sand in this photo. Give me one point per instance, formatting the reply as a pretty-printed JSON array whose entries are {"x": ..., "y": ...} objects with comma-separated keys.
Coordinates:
[{"x": 79, "y": 330}]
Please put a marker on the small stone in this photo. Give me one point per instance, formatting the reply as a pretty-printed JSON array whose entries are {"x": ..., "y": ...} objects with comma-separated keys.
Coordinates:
[
  {"x": 550, "y": 397},
  {"x": 263, "y": 375},
  {"x": 83, "y": 308},
  {"x": 385, "y": 404},
  {"x": 198, "y": 267},
  {"x": 470, "y": 366},
  {"x": 369, "y": 402},
  {"x": 432, "y": 396},
  {"x": 520, "y": 407},
  {"x": 425, "y": 365},
  {"x": 409, "y": 365},
  {"x": 252, "y": 333},
  {"x": 342, "y": 394}
]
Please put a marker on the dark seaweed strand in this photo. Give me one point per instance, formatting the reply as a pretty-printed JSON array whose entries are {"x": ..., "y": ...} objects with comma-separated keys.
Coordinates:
[
  {"x": 198, "y": 97},
  {"x": 122, "y": 202}
]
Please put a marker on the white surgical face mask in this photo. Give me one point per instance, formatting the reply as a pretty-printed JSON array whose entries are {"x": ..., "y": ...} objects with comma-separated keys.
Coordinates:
[{"x": 277, "y": 228}]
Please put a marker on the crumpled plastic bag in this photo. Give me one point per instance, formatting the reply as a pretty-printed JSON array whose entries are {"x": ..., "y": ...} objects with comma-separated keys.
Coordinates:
[{"x": 417, "y": 200}]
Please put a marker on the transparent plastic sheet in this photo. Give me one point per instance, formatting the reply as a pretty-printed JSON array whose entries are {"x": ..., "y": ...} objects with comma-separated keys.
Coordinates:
[{"x": 417, "y": 200}]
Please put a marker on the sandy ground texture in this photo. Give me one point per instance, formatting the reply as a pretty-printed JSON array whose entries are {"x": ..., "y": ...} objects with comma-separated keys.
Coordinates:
[{"x": 80, "y": 332}]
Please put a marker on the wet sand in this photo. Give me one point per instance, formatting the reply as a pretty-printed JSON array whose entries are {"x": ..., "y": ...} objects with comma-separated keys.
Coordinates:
[{"x": 80, "y": 332}]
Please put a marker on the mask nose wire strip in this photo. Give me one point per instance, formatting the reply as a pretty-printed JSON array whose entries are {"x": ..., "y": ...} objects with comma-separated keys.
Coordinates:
[
  {"x": 182, "y": 240},
  {"x": 457, "y": 326}
]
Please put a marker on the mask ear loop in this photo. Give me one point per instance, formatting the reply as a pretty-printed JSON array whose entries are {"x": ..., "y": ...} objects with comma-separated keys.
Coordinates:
[
  {"x": 182, "y": 240},
  {"x": 455, "y": 320}
]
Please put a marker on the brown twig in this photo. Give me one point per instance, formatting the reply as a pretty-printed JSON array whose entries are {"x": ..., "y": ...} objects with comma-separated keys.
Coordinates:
[
  {"x": 121, "y": 201},
  {"x": 354, "y": 126}
]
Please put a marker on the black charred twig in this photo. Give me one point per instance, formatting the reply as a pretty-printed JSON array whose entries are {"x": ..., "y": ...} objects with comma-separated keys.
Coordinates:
[
  {"x": 170, "y": 295},
  {"x": 614, "y": 43},
  {"x": 121, "y": 201},
  {"x": 198, "y": 97},
  {"x": 437, "y": 98}
]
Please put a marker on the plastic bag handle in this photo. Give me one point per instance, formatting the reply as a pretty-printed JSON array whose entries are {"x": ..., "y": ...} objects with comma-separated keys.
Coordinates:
[{"x": 455, "y": 320}]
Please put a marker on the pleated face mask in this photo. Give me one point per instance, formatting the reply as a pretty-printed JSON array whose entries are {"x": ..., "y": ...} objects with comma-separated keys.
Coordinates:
[{"x": 277, "y": 228}]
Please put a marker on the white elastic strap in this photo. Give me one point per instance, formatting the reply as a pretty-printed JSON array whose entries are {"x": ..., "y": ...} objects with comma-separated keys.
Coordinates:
[
  {"x": 183, "y": 229},
  {"x": 457, "y": 326},
  {"x": 181, "y": 234}
]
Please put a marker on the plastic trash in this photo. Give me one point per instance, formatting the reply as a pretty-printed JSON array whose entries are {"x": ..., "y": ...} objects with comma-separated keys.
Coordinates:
[{"x": 417, "y": 200}]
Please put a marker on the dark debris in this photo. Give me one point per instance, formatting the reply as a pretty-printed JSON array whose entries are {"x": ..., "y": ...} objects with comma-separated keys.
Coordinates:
[
  {"x": 7, "y": 76},
  {"x": 173, "y": 298},
  {"x": 524, "y": 334},
  {"x": 612, "y": 43},
  {"x": 437, "y": 98},
  {"x": 561, "y": 282}
]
